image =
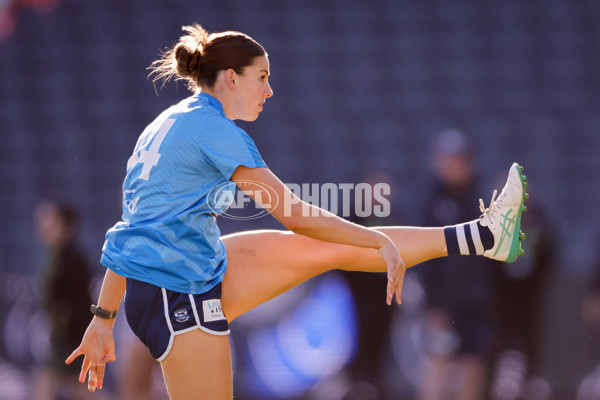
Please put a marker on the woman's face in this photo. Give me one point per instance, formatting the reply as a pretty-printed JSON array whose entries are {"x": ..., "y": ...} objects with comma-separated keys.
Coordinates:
[{"x": 253, "y": 89}]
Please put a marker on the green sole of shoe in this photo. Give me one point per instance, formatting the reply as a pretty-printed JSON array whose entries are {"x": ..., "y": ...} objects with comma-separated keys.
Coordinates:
[{"x": 515, "y": 246}]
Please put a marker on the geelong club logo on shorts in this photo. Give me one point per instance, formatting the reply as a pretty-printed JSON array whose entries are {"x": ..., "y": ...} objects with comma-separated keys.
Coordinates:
[
  {"x": 181, "y": 315},
  {"x": 212, "y": 310}
]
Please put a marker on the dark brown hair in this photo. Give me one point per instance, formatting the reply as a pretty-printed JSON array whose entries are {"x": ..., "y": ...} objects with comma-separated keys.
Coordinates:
[{"x": 198, "y": 57}]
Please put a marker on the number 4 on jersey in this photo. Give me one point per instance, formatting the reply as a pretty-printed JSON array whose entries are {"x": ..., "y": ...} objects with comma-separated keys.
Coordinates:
[{"x": 149, "y": 156}]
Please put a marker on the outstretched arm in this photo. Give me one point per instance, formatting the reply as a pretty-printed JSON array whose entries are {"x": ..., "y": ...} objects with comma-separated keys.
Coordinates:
[
  {"x": 97, "y": 345},
  {"x": 314, "y": 222}
]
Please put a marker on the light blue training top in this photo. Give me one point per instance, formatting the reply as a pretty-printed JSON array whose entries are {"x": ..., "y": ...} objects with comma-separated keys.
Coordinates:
[{"x": 169, "y": 236}]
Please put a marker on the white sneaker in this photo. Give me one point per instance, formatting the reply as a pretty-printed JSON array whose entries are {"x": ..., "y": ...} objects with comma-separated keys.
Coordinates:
[{"x": 503, "y": 217}]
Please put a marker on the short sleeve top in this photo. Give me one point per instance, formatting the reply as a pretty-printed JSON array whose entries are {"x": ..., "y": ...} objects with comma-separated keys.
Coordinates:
[{"x": 168, "y": 235}]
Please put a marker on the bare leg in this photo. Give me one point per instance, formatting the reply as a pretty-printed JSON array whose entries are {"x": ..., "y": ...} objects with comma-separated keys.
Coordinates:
[
  {"x": 199, "y": 367},
  {"x": 264, "y": 264},
  {"x": 136, "y": 382}
]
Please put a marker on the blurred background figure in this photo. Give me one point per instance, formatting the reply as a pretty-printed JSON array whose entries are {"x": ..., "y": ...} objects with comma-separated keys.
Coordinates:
[
  {"x": 364, "y": 376},
  {"x": 366, "y": 371},
  {"x": 521, "y": 288},
  {"x": 460, "y": 326},
  {"x": 589, "y": 388},
  {"x": 65, "y": 282}
]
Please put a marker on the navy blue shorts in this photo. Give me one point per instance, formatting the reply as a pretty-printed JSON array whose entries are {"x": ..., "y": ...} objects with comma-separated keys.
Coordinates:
[{"x": 156, "y": 315}]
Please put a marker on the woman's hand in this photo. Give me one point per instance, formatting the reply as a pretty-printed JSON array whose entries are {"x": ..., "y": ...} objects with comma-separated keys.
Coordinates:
[
  {"x": 395, "y": 270},
  {"x": 98, "y": 348}
]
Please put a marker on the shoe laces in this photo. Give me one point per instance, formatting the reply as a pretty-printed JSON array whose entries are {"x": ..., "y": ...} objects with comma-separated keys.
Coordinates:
[{"x": 487, "y": 211}]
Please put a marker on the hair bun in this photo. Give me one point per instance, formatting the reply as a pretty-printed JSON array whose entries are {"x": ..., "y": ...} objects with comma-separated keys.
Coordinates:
[
  {"x": 188, "y": 62},
  {"x": 199, "y": 57}
]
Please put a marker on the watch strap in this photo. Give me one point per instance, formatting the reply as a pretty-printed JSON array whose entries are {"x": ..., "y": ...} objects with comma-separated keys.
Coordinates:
[{"x": 102, "y": 313}]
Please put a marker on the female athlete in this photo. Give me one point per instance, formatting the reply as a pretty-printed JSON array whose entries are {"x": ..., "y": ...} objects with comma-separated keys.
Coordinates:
[{"x": 184, "y": 282}]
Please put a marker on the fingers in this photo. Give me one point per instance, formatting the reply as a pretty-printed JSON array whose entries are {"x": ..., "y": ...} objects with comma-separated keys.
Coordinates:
[
  {"x": 100, "y": 375},
  {"x": 96, "y": 374},
  {"x": 390, "y": 292},
  {"x": 92, "y": 380},
  {"x": 394, "y": 287},
  {"x": 84, "y": 369},
  {"x": 402, "y": 269},
  {"x": 96, "y": 377},
  {"x": 396, "y": 269},
  {"x": 395, "y": 282},
  {"x": 74, "y": 355}
]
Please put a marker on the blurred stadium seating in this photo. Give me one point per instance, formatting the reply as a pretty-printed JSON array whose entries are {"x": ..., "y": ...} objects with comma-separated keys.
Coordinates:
[{"x": 359, "y": 86}]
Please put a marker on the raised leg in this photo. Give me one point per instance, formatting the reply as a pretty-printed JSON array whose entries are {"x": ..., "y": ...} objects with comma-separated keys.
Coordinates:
[{"x": 264, "y": 264}]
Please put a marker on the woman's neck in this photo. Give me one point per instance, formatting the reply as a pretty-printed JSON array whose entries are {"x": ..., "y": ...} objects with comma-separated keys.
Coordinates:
[{"x": 223, "y": 97}]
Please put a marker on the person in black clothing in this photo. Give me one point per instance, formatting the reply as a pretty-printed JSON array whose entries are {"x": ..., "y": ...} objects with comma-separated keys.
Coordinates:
[
  {"x": 65, "y": 297},
  {"x": 588, "y": 388},
  {"x": 521, "y": 287},
  {"x": 366, "y": 370},
  {"x": 459, "y": 324}
]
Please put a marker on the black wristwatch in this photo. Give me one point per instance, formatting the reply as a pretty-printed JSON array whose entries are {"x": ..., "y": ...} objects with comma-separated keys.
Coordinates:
[{"x": 101, "y": 313}]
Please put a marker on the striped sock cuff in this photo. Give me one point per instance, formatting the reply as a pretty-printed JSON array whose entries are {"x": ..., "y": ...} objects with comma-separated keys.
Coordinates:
[
  {"x": 463, "y": 239},
  {"x": 451, "y": 241},
  {"x": 474, "y": 228}
]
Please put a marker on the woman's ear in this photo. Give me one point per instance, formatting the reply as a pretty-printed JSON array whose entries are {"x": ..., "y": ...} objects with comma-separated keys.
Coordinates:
[{"x": 230, "y": 79}]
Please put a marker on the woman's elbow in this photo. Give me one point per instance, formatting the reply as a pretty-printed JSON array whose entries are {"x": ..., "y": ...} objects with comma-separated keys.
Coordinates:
[
  {"x": 292, "y": 223},
  {"x": 293, "y": 219}
]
